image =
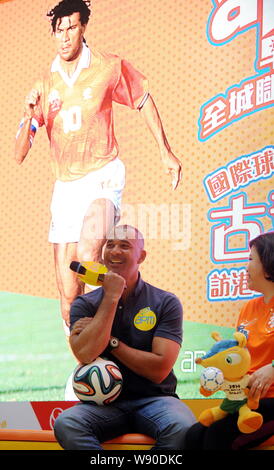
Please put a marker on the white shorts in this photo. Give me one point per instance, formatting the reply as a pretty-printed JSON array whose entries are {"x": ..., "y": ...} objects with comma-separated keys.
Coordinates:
[{"x": 71, "y": 200}]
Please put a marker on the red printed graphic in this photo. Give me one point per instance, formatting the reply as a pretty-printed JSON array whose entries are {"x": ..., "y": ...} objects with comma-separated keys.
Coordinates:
[{"x": 47, "y": 411}]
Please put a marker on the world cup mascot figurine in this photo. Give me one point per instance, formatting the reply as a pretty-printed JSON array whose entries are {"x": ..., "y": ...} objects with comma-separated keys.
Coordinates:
[{"x": 226, "y": 365}]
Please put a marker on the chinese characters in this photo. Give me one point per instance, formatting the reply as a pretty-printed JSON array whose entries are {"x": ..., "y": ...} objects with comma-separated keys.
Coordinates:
[{"x": 228, "y": 19}]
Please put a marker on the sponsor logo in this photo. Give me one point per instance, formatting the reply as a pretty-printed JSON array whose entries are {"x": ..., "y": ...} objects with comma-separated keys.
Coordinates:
[{"x": 145, "y": 319}]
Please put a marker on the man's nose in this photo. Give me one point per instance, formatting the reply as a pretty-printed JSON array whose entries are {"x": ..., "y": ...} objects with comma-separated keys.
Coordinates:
[
  {"x": 116, "y": 249},
  {"x": 65, "y": 36}
]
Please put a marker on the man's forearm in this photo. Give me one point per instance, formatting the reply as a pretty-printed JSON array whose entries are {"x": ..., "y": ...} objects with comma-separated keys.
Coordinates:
[
  {"x": 89, "y": 342},
  {"x": 154, "y": 365},
  {"x": 152, "y": 118},
  {"x": 153, "y": 121}
]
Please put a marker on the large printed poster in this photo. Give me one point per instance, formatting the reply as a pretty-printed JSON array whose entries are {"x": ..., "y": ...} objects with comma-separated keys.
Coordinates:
[{"x": 210, "y": 69}]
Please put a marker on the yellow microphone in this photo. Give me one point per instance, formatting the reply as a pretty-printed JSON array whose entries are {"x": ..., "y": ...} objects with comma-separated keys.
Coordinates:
[{"x": 89, "y": 272}]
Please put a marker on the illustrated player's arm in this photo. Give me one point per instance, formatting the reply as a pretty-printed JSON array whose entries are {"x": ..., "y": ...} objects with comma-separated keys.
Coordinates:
[
  {"x": 132, "y": 91},
  {"x": 152, "y": 118},
  {"x": 90, "y": 336},
  {"x": 27, "y": 130}
]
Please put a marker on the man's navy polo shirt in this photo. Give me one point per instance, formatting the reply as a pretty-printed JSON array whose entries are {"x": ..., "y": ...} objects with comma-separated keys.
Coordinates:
[{"x": 147, "y": 312}]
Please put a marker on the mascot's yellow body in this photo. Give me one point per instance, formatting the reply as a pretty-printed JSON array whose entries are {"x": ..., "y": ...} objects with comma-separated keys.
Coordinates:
[{"x": 233, "y": 359}]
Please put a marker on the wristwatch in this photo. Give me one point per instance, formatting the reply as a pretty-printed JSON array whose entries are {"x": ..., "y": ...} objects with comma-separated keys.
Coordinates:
[
  {"x": 272, "y": 363},
  {"x": 113, "y": 343}
]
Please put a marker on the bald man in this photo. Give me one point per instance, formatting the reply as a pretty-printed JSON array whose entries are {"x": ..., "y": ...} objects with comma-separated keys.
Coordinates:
[{"x": 139, "y": 327}]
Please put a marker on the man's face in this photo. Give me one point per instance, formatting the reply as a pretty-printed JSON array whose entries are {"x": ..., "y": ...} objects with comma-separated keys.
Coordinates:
[
  {"x": 124, "y": 253},
  {"x": 69, "y": 36}
]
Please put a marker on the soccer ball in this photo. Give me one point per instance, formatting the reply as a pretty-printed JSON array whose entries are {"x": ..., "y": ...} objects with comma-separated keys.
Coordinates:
[
  {"x": 211, "y": 379},
  {"x": 99, "y": 382}
]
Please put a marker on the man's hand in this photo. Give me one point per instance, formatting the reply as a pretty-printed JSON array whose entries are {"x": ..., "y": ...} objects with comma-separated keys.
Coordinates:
[
  {"x": 22, "y": 141},
  {"x": 90, "y": 336},
  {"x": 31, "y": 102},
  {"x": 80, "y": 325},
  {"x": 113, "y": 285},
  {"x": 173, "y": 167}
]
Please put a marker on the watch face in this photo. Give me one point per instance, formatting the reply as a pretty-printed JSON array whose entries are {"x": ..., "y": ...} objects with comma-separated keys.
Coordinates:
[{"x": 114, "y": 342}]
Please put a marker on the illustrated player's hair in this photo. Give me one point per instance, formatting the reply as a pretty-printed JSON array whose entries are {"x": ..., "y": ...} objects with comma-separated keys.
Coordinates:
[{"x": 67, "y": 8}]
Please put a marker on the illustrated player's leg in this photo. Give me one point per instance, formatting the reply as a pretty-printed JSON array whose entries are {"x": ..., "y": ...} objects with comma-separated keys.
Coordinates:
[
  {"x": 103, "y": 212},
  {"x": 68, "y": 284},
  {"x": 100, "y": 218},
  {"x": 83, "y": 211}
]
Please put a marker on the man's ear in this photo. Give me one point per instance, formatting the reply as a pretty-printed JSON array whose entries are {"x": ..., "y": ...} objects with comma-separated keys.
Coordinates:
[
  {"x": 142, "y": 256},
  {"x": 83, "y": 27}
]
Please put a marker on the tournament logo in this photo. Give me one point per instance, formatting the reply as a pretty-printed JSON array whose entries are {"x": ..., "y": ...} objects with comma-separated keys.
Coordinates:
[
  {"x": 54, "y": 415},
  {"x": 145, "y": 319}
]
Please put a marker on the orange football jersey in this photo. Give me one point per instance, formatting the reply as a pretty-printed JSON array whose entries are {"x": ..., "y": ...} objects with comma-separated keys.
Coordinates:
[
  {"x": 256, "y": 321},
  {"x": 77, "y": 111}
]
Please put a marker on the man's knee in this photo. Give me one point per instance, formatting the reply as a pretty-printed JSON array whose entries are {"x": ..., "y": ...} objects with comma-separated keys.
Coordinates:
[
  {"x": 90, "y": 249},
  {"x": 74, "y": 429},
  {"x": 99, "y": 219},
  {"x": 60, "y": 429},
  {"x": 173, "y": 435},
  {"x": 65, "y": 429},
  {"x": 179, "y": 426}
]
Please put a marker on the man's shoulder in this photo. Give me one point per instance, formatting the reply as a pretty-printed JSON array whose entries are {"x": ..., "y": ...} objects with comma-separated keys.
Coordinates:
[
  {"x": 43, "y": 80},
  {"x": 90, "y": 298},
  {"x": 94, "y": 295},
  {"x": 104, "y": 57},
  {"x": 159, "y": 292},
  {"x": 99, "y": 59},
  {"x": 45, "y": 72}
]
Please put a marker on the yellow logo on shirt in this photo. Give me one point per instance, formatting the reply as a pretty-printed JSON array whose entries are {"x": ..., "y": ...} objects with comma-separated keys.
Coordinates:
[{"x": 145, "y": 319}]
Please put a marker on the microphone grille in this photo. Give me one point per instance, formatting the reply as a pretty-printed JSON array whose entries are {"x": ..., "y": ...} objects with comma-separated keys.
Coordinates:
[{"x": 77, "y": 267}]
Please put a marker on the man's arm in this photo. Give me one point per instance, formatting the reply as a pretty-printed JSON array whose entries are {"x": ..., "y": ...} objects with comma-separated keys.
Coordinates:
[
  {"x": 22, "y": 143},
  {"x": 170, "y": 161},
  {"x": 154, "y": 365},
  {"x": 90, "y": 336}
]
